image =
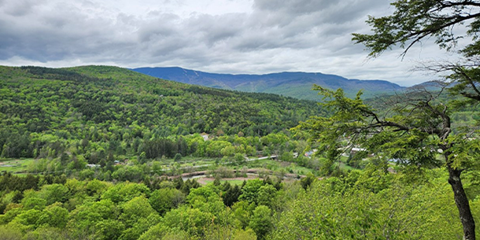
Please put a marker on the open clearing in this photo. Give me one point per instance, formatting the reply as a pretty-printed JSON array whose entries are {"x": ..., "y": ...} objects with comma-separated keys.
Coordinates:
[{"x": 15, "y": 165}]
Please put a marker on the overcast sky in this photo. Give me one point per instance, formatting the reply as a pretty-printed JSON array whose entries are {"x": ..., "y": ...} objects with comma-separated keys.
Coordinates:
[{"x": 221, "y": 36}]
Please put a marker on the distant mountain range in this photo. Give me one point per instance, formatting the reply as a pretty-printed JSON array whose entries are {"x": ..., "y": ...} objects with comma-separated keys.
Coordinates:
[{"x": 292, "y": 84}]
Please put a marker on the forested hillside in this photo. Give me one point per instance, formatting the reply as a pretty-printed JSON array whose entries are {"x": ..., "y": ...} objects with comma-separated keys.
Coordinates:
[
  {"x": 98, "y": 103},
  {"x": 122, "y": 97}
]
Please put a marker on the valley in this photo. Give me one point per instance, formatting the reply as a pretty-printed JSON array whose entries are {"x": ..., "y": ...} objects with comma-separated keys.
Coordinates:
[{"x": 100, "y": 152}]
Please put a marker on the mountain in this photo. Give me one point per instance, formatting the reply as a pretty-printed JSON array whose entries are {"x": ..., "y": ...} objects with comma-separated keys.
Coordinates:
[
  {"x": 292, "y": 84},
  {"x": 74, "y": 100},
  {"x": 430, "y": 86}
]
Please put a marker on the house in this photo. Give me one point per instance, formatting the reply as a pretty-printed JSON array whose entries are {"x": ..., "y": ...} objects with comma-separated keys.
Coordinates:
[
  {"x": 310, "y": 153},
  {"x": 204, "y": 136},
  {"x": 93, "y": 165}
]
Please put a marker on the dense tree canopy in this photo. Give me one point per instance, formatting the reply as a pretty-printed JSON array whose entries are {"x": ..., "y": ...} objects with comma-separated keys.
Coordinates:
[
  {"x": 113, "y": 118},
  {"x": 358, "y": 205}
]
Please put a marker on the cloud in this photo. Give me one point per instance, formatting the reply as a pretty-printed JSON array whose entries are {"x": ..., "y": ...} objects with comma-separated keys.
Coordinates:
[
  {"x": 20, "y": 7},
  {"x": 235, "y": 36}
]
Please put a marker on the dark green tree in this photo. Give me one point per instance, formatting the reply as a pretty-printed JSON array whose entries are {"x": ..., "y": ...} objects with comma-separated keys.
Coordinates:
[
  {"x": 177, "y": 157},
  {"x": 231, "y": 195},
  {"x": 162, "y": 200}
]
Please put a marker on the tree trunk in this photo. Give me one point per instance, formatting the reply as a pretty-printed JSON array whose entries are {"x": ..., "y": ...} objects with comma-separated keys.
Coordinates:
[{"x": 462, "y": 203}]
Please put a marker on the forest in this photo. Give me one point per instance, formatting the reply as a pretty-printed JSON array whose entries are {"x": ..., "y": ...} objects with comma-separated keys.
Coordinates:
[{"x": 111, "y": 128}]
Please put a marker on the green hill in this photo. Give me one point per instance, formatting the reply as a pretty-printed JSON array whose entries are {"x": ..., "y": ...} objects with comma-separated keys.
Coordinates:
[{"x": 98, "y": 102}]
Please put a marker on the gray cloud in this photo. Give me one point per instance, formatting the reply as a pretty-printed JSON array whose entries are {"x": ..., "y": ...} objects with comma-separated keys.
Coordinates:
[
  {"x": 20, "y": 7},
  {"x": 275, "y": 35},
  {"x": 298, "y": 7}
]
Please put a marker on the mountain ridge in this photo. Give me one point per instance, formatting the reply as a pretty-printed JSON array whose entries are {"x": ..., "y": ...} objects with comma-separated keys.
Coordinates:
[{"x": 293, "y": 84}]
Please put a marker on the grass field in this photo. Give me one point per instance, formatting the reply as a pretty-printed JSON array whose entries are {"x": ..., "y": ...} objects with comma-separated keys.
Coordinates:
[
  {"x": 278, "y": 165},
  {"x": 16, "y": 165},
  {"x": 233, "y": 182}
]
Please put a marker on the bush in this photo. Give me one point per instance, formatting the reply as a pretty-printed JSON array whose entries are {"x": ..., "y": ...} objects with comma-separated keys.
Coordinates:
[{"x": 177, "y": 157}]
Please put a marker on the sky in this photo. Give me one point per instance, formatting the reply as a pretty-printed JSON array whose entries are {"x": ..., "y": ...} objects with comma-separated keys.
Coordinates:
[{"x": 219, "y": 36}]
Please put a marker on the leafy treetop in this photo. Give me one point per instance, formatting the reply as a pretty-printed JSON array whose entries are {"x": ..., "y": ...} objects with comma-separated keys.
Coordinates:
[{"x": 416, "y": 20}]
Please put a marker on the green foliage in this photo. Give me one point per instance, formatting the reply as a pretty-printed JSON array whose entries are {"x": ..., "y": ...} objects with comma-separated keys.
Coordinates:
[
  {"x": 350, "y": 207},
  {"x": 9, "y": 233},
  {"x": 9, "y": 182},
  {"x": 109, "y": 229},
  {"x": 125, "y": 191},
  {"x": 86, "y": 106},
  {"x": 161, "y": 231},
  {"x": 307, "y": 181},
  {"x": 191, "y": 220},
  {"x": 177, "y": 157},
  {"x": 261, "y": 221},
  {"x": 231, "y": 195},
  {"x": 267, "y": 195},
  {"x": 251, "y": 190},
  {"x": 400, "y": 211},
  {"x": 137, "y": 121},
  {"x": 27, "y": 219},
  {"x": 53, "y": 216},
  {"x": 34, "y": 203},
  {"x": 87, "y": 215},
  {"x": 47, "y": 233},
  {"x": 135, "y": 209},
  {"x": 95, "y": 187},
  {"x": 202, "y": 195},
  {"x": 54, "y": 193},
  {"x": 108, "y": 123},
  {"x": 164, "y": 199}
]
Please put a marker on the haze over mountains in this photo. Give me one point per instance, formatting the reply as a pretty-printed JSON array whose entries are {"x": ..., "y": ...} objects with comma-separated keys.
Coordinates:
[{"x": 293, "y": 84}]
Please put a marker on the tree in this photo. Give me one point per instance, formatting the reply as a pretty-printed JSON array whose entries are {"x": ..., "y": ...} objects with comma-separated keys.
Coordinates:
[
  {"x": 55, "y": 193},
  {"x": 162, "y": 200},
  {"x": 341, "y": 208},
  {"x": 412, "y": 22},
  {"x": 251, "y": 190},
  {"x": 34, "y": 203},
  {"x": 191, "y": 220},
  {"x": 417, "y": 20},
  {"x": 413, "y": 131},
  {"x": 267, "y": 195},
  {"x": 53, "y": 216},
  {"x": 261, "y": 221},
  {"x": 231, "y": 195},
  {"x": 109, "y": 229},
  {"x": 177, "y": 157},
  {"x": 86, "y": 216},
  {"x": 135, "y": 209},
  {"x": 239, "y": 158}
]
